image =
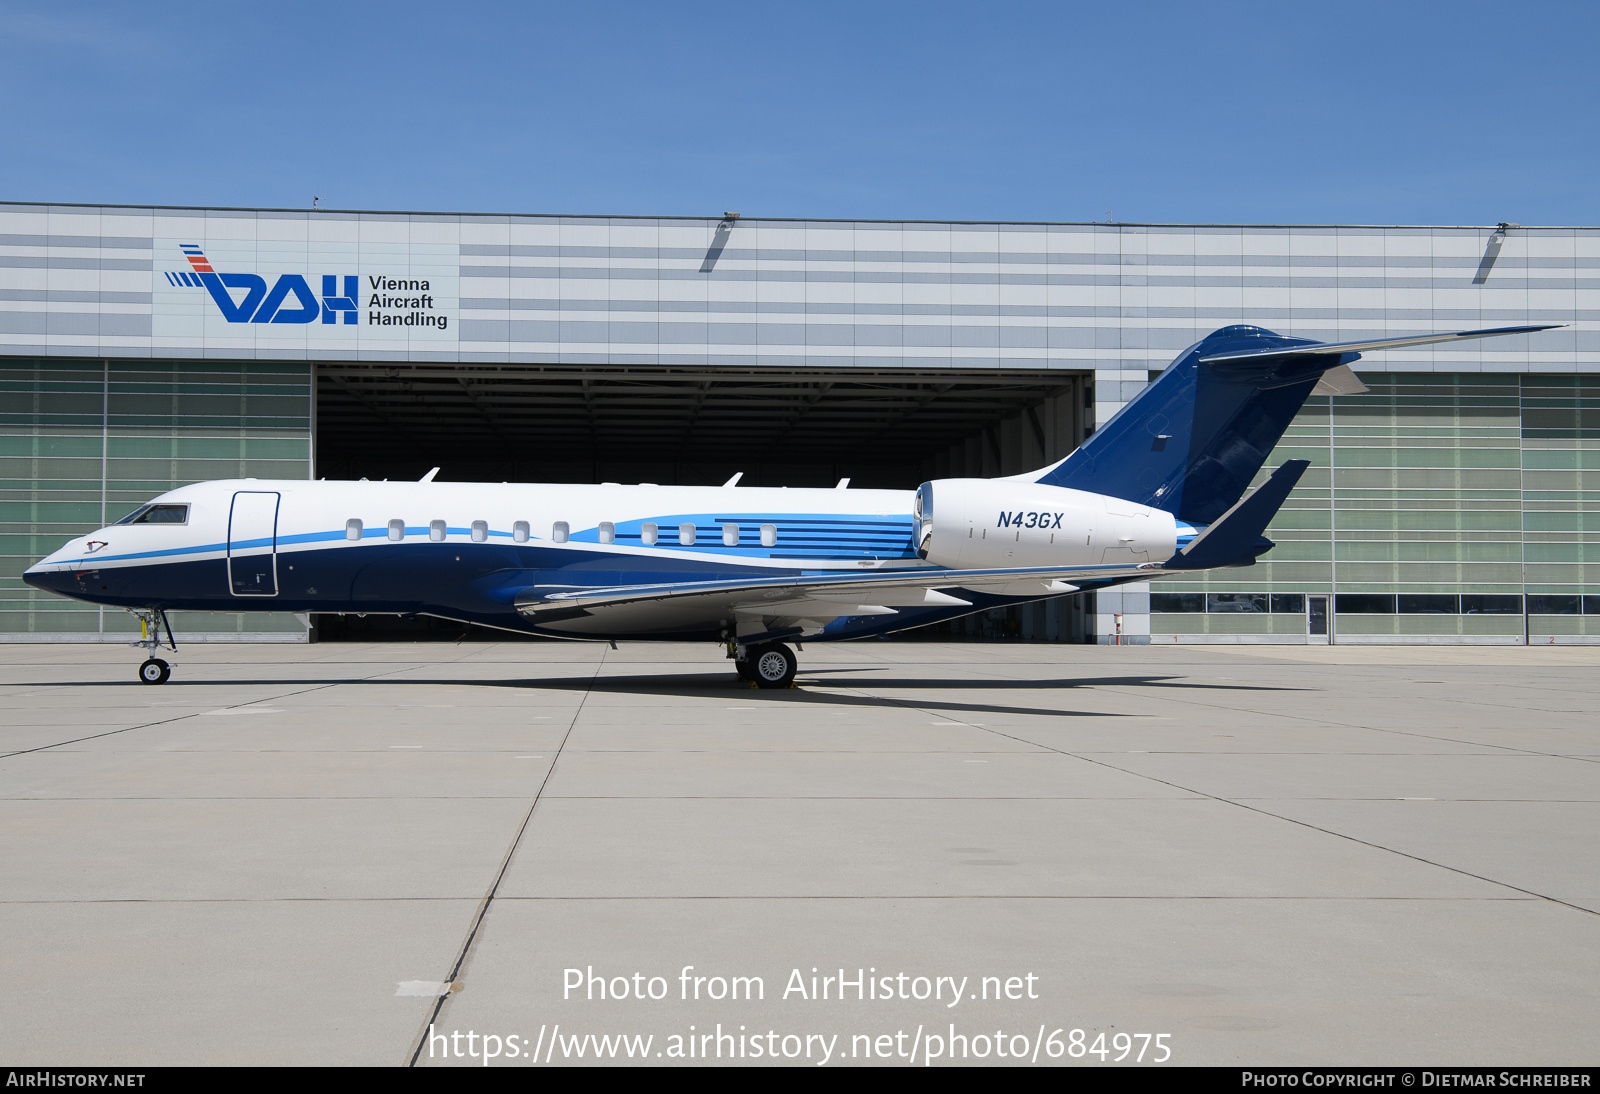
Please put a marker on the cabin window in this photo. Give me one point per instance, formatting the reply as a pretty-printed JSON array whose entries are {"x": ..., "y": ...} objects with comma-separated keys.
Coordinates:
[
  {"x": 648, "y": 533},
  {"x": 436, "y": 531},
  {"x": 730, "y": 535},
  {"x": 608, "y": 532},
  {"x": 558, "y": 531},
  {"x": 480, "y": 531},
  {"x": 397, "y": 530},
  {"x": 157, "y": 514},
  {"x": 769, "y": 535},
  {"x": 519, "y": 531},
  {"x": 686, "y": 534},
  {"x": 352, "y": 529}
]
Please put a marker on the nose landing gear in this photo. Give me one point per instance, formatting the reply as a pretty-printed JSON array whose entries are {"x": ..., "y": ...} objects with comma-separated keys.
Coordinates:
[{"x": 152, "y": 621}]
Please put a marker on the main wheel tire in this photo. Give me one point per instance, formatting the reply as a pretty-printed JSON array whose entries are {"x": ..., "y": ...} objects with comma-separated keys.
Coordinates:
[
  {"x": 154, "y": 671},
  {"x": 746, "y": 669},
  {"x": 775, "y": 665}
]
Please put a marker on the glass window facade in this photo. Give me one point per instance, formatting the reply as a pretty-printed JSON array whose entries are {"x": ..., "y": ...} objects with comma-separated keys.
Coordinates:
[
  {"x": 84, "y": 443},
  {"x": 1451, "y": 498}
]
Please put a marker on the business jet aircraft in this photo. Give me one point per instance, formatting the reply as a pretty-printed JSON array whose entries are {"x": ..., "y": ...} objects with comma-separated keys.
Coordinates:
[{"x": 1159, "y": 490}]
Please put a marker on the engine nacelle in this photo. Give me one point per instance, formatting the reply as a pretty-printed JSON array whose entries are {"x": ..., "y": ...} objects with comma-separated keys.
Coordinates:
[{"x": 968, "y": 524}]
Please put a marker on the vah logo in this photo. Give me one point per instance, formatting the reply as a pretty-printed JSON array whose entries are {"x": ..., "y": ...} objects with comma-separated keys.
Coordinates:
[
  {"x": 392, "y": 301},
  {"x": 261, "y": 306}
]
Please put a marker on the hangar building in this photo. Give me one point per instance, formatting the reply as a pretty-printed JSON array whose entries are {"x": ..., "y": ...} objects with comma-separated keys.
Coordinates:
[{"x": 1457, "y": 501}]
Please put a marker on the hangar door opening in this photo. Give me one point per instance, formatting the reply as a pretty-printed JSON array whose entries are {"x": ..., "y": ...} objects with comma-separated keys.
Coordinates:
[{"x": 880, "y": 428}]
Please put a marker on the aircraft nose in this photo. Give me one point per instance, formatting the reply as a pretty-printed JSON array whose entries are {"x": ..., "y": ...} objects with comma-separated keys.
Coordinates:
[
  {"x": 55, "y": 573},
  {"x": 52, "y": 579}
]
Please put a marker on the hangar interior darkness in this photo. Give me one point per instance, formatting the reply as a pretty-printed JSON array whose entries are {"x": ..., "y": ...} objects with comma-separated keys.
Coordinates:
[
  {"x": 881, "y": 428},
  {"x": 692, "y": 426}
]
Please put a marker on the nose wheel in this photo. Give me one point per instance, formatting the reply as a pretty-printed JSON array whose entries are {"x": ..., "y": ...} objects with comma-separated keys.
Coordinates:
[{"x": 152, "y": 621}]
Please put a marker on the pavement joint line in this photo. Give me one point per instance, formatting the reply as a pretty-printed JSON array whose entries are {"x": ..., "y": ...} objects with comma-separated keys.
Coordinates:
[
  {"x": 1192, "y": 796},
  {"x": 313, "y": 798},
  {"x": 182, "y": 717},
  {"x": 896, "y": 897},
  {"x": 1241, "y": 804},
  {"x": 1528, "y": 898},
  {"x": 158, "y": 722},
  {"x": 1319, "y": 719},
  {"x": 505, "y": 864},
  {"x": 841, "y": 797}
]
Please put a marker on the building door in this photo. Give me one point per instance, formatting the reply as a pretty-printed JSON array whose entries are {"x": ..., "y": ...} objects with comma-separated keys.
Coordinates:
[
  {"x": 1317, "y": 618},
  {"x": 253, "y": 543}
]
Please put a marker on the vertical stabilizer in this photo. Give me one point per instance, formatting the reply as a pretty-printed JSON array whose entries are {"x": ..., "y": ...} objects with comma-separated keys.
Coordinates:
[{"x": 1192, "y": 441}]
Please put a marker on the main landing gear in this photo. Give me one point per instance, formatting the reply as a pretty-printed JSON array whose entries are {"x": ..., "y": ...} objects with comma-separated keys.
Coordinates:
[
  {"x": 766, "y": 665},
  {"x": 152, "y": 621}
]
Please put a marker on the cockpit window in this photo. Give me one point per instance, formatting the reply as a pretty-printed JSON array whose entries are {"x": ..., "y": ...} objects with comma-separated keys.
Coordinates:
[{"x": 157, "y": 514}]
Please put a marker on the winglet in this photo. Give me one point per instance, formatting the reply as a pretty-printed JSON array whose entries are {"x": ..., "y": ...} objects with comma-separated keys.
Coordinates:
[{"x": 1235, "y": 538}]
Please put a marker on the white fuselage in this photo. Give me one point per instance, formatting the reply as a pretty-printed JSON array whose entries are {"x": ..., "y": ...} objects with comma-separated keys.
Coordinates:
[{"x": 479, "y": 551}]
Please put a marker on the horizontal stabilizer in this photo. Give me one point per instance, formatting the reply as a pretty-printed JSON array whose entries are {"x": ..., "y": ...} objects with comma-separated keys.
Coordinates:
[
  {"x": 1235, "y": 538},
  {"x": 1337, "y": 348}
]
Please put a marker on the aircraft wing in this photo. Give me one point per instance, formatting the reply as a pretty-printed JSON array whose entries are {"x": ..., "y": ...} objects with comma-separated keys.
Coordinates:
[{"x": 788, "y": 604}]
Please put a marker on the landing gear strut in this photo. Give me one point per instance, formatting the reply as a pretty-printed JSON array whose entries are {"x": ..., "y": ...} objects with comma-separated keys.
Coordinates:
[
  {"x": 152, "y": 621},
  {"x": 766, "y": 665}
]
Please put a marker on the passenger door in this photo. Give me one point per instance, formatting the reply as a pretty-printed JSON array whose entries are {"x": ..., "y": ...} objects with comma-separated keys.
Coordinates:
[{"x": 253, "y": 543}]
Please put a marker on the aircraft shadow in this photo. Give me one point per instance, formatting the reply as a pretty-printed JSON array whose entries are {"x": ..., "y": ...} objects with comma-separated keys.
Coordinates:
[
  {"x": 723, "y": 685},
  {"x": 1076, "y": 682}
]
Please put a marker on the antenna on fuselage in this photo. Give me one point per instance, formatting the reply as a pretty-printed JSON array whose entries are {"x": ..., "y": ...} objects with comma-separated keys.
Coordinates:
[
  {"x": 844, "y": 484},
  {"x": 737, "y": 475},
  {"x": 429, "y": 476}
]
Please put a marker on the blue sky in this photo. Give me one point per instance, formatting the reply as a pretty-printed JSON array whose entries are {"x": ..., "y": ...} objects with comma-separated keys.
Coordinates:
[{"x": 1416, "y": 113}]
